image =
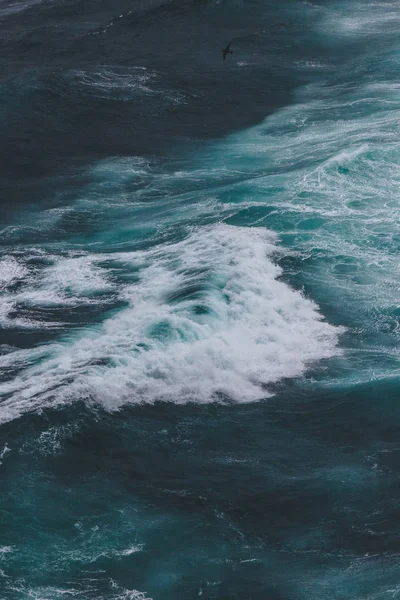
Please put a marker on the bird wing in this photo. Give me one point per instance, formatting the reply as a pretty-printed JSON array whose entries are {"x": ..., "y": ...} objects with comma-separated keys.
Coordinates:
[{"x": 229, "y": 45}]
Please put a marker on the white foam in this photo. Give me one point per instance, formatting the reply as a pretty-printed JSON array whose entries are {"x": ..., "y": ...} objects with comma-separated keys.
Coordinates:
[
  {"x": 350, "y": 19},
  {"x": 124, "y": 83},
  {"x": 11, "y": 271},
  {"x": 131, "y": 550},
  {"x": 126, "y": 168},
  {"x": 75, "y": 276},
  {"x": 108, "y": 80},
  {"x": 3, "y": 452},
  {"x": 50, "y": 442},
  {"x": 44, "y": 592},
  {"x": 120, "y": 593},
  {"x": 69, "y": 281},
  {"x": 255, "y": 331}
]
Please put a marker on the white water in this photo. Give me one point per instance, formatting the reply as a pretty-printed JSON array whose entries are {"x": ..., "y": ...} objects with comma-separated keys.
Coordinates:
[{"x": 208, "y": 317}]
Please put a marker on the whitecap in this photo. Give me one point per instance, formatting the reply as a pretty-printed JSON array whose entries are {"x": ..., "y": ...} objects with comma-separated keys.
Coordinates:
[
  {"x": 11, "y": 270},
  {"x": 209, "y": 319}
]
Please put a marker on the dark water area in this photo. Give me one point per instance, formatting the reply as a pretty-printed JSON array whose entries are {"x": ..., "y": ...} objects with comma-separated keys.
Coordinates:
[
  {"x": 53, "y": 119},
  {"x": 199, "y": 314},
  {"x": 291, "y": 493}
]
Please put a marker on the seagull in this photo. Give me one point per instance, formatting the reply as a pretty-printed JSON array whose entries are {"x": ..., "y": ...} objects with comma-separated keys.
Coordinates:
[{"x": 226, "y": 50}]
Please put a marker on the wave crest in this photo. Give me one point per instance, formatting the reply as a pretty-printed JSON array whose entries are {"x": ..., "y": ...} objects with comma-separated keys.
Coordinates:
[{"x": 208, "y": 319}]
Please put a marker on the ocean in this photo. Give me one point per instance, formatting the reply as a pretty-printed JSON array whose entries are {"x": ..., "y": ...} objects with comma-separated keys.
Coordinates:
[{"x": 199, "y": 308}]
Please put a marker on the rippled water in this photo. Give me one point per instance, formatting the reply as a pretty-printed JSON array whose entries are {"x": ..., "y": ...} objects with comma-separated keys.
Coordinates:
[{"x": 199, "y": 300}]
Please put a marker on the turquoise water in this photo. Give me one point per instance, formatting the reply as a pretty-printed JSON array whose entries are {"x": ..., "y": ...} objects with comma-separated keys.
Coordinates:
[{"x": 200, "y": 344}]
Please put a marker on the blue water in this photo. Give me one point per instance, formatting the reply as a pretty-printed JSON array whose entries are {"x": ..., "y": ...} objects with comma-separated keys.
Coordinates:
[{"x": 199, "y": 302}]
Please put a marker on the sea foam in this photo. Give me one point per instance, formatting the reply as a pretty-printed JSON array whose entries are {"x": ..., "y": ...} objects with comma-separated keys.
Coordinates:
[{"x": 208, "y": 319}]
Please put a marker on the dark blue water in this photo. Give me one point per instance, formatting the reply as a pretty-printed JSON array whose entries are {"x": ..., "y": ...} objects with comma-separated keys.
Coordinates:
[{"x": 199, "y": 303}]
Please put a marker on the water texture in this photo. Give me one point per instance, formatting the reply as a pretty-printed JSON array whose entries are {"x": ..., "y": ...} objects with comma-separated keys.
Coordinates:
[{"x": 199, "y": 300}]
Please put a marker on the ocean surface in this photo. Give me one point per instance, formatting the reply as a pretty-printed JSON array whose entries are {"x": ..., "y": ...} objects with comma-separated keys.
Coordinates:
[{"x": 199, "y": 300}]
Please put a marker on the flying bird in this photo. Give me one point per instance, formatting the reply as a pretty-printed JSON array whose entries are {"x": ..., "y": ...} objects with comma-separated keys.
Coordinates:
[{"x": 227, "y": 50}]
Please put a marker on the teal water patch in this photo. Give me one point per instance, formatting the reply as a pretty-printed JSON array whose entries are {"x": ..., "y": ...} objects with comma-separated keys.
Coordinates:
[
  {"x": 251, "y": 216},
  {"x": 317, "y": 473},
  {"x": 333, "y": 157}
]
